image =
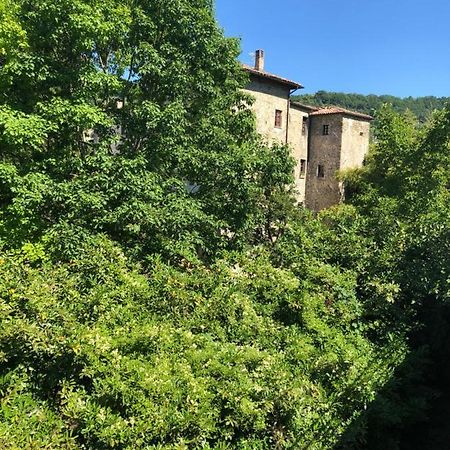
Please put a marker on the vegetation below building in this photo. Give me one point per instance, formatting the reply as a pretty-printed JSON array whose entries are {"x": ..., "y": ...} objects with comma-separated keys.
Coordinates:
[
  {"x": 139, "y": 314},
  {"x": 421, "y": 107}
]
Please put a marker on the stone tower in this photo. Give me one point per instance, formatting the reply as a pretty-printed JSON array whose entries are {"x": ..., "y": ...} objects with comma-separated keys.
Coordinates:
[{"x": 338, "y": 140}]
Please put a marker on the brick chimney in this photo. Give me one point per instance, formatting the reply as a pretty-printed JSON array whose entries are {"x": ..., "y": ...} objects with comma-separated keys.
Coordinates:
[{"x": 259, "y": 60}]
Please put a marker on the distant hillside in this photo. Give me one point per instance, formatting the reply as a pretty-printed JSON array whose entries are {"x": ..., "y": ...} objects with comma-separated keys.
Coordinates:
[{"x": 420, "y": 106}]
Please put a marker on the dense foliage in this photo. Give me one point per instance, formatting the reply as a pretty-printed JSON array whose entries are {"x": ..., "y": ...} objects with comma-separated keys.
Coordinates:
[
  {"x": 404, "y": 194},
  {"x": 421, "y": 107},
  {"x": 159, "y": 289},
  {"x": 109, "y": 112}
]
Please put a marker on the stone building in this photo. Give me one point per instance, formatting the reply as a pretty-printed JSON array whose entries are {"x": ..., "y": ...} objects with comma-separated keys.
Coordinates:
[{"x": 323, "y": 140}]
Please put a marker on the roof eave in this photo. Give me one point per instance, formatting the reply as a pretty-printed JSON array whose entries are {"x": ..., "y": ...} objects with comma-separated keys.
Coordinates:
[
  {"x": 309, "y": 108},
  {"x": 352, "y": 114},
  {"x": 274, "y": 78}
]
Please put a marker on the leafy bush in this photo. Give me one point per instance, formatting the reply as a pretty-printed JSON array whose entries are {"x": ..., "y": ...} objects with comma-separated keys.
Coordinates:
[{"x": 240, "y": 354}]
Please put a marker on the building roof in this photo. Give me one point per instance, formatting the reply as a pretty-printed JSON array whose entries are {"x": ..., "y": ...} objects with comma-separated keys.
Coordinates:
[
  {"x": 307, "y": 108},
  {"x": 336, "y": 110},
  {"x": 272, "y": 77}
]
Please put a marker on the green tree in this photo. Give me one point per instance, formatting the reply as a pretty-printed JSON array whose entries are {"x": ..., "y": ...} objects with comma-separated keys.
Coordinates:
[
  {"x": 111, "y": 110},
  {"x": 403, "y": 196}
]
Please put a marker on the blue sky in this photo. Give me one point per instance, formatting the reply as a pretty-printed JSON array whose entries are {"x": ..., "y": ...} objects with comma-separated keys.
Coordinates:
[{"x": 397, "y": 47}]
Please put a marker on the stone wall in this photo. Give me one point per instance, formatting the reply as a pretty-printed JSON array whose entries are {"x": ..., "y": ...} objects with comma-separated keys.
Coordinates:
[
  {"x": 269, "y": 96},
  {"x": 298, "y": 141},
  {"x": 355, "y": 142},
  {"x": 324, "y": 151}
]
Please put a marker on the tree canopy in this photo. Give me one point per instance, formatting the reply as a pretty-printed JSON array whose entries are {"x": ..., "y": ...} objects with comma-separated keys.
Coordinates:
[{"x": 111, "y": 110}]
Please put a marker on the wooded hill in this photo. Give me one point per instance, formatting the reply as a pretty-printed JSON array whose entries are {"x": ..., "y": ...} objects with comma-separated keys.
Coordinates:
[{"x": 421, "y": 107}]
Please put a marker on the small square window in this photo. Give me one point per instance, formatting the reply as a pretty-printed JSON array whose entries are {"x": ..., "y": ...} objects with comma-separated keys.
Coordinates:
[
  {"x": 326, "y": 130},
  {"x": 320, "y": 171},
  {"x": 302, "y": 168},
  {"x": 278, "y": 118}
]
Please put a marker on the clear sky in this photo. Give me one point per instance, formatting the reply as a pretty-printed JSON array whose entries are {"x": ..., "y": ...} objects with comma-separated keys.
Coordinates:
[{"x": 397, "y": 47}]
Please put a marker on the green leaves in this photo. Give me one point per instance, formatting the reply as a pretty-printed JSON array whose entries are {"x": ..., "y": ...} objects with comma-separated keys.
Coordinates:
[
  {"x": 23, "y": 136},
  {"x": 237, "y": 353},
  {"x": 421, "y": 107},
  {"x": 121, "y": 109}
]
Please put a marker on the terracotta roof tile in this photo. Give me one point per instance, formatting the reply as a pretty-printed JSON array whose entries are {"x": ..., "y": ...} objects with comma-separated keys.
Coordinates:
[
  {"x": 270, "y": 76},
  {"x": 336, "y": 110}
]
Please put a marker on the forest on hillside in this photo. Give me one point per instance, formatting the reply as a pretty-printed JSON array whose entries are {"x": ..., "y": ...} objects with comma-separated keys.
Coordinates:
[
  {"x": 136, "y": 313},
  {"x": 421, "y": 107}
]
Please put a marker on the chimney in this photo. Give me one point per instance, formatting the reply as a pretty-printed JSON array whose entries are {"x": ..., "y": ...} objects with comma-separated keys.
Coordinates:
[{"x": 259, "y": 60}]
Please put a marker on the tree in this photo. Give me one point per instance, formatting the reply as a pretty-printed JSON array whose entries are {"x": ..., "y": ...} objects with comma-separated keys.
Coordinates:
[
  {"x": 110, "y": 110},
  {"x": 403, "y": 195}
]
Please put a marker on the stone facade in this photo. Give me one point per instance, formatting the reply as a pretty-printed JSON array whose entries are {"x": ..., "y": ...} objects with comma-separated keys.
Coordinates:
[
  {"x": 323, "y": 141},
  {"x": 355, "y": 142},
  {"x": 324, "y": 160},
  {"x": 298, "y": 132},
  {"x": 270, "y": 97}
]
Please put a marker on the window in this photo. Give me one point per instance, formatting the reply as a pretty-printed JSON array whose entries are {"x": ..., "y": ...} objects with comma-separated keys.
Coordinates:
[
  {"x": 302, "y": 168},
  {"x": 278, "y": 118},
  {"x": 320, "y": 171},
  {"x": 304, "y": 125},
  {"x": 326, "y": 130}
]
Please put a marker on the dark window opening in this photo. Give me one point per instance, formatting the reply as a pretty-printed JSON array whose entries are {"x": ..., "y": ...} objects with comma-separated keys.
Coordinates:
[
  {"x": 304, "y": 125},
  {"x": 320, "y": 171},
  {"x": 278, "y": 118},
  {"x": 302, "y": 168},
  {"x": 326, "y": 130}
]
